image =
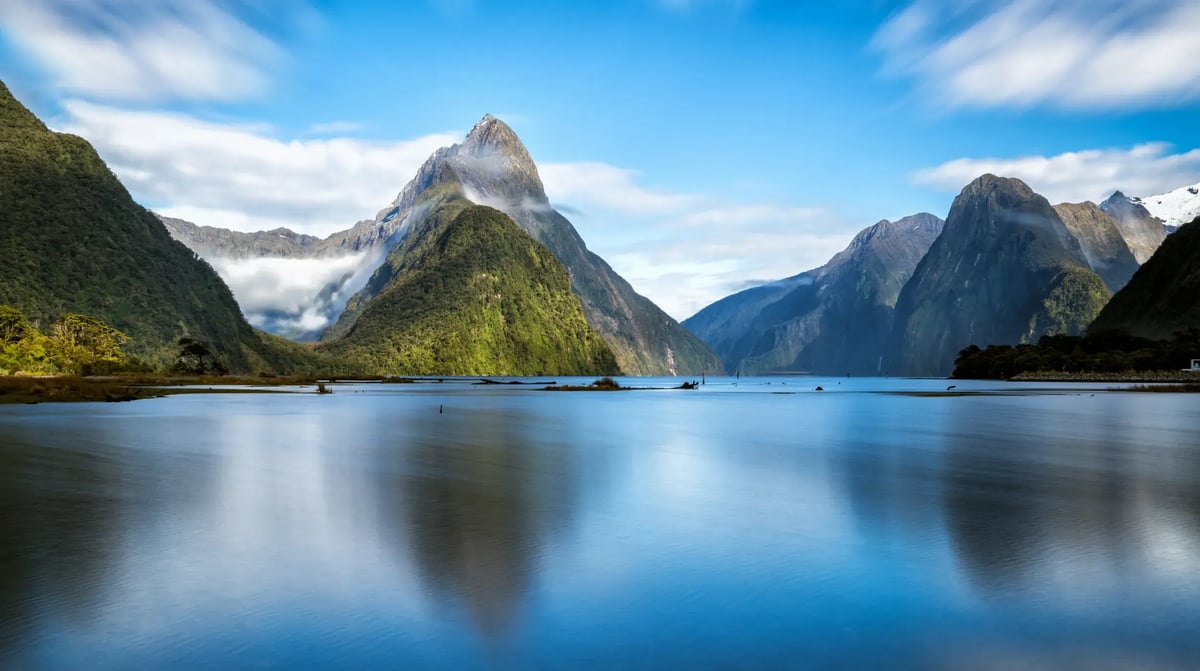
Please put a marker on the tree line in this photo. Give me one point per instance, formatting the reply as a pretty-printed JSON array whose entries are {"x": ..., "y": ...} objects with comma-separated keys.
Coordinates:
[
  {"x": 78, "y": 344},
  {"x": 1104, "y": 352}
]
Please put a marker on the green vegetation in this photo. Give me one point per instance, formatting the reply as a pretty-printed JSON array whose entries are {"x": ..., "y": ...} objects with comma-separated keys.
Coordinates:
[
  {"x": 74, "y": 242},
  {"x": 603, "y": 384},
  {"x": 1107, "y": 352},
  {"x": 1075, "y": 297},
  {"x": 76, "y": 345},
  {"x": 468, "y": 292}
]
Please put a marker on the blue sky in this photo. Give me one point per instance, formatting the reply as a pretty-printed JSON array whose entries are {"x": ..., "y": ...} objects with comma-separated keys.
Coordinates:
[{"x": 698, "y": 144}]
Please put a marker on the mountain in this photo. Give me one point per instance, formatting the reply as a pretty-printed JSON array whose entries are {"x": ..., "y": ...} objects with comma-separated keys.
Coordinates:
[
  {"x": 1164, "y": 295},
  {"x": 471, "y": 293},
  {"x": 1005, "y": 269},
  {"x": 1100, "y": 239},
  {"x": 73, "y": 240},
  {"x": 283, "y": 243},
  {"x": 492, "y": 167},
  {"x": 1140, "y": 229},
  {"x": 835, "y": 319},
  {"x": 1174, "y": 208}
]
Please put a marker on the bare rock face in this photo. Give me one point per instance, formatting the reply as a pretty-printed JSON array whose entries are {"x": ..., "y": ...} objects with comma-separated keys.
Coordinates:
[
  {"x": 1141, "y": 230},
  {"x": 1100, "y": 240},
  {"x": 834, "y": 319},
  {"x": 1005, "y": 270}
]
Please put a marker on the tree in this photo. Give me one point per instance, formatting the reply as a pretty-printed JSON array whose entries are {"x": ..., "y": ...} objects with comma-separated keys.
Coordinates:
[
  {"x": 22, "y": 346},
  {"x": 84, "y": 345},
  {"x": 195, "y": 358},
  {"x": 14, "y": 327}
]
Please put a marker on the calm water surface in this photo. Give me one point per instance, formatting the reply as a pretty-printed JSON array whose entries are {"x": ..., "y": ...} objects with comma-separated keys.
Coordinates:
[{"x": 732, "y": 527}]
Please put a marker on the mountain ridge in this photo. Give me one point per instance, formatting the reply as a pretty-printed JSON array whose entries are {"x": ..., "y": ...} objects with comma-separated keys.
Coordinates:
[{"x": 826, "y": 320}]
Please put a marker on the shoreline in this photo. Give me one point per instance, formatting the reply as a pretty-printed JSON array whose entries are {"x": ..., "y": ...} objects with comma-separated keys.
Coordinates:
[{"x": 33, "y": 390}]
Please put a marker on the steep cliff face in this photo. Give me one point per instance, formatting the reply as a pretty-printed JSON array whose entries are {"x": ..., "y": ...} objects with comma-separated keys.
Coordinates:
[
  {"x": 1005, "y": 269},
  {"x": 492, "y": 167},
  {"x": 1100, "y": 239},
  {"x": 1140, "y": 229},
  {"x": 1164, "y": 295},
  {"x": 834, "y": 319}
]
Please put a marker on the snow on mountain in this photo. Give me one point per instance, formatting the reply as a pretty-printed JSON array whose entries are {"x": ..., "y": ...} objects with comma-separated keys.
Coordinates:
[{"x": 1175, "y": 208}]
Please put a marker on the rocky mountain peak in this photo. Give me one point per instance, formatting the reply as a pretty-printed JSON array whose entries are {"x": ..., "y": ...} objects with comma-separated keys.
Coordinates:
[
  {"x": 492, "y": 136},
  {"x": 989, "y": 184},
  {"x": 1142, "y": 231},
  {"x": 491, "y": 167}
]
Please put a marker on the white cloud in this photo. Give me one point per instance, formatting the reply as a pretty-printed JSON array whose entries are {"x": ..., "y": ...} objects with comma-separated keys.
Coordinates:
[
  {"x": 1065, "y": 53},
  {"x": 684, "y": 251},
  {"x": 686, "y": 261},
  {"x": 607, "y": 186},
  {"x": 240, "y": 176},
  {"x": 1092, "y": 174},
  {"x": 146, "y": 50},
  {"x": 296, "y": 295}
]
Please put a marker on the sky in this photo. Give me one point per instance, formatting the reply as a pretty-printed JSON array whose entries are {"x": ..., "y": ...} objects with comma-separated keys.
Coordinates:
[{"x": 699, "y": 146}]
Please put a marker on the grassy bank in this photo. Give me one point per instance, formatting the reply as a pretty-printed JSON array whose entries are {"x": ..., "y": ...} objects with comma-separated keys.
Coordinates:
[{"x": 67, "y": 389}]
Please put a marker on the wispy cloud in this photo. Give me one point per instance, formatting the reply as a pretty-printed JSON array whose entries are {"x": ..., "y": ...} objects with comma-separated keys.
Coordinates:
[
  {"x": 147, "y": 50},
  {"x": 686, "y": 250},
  {"x": 606, "y": 186},
  {"x": 241, "y": 176},
  {"x": 1091, "y": 174},
  {"x": 1064, "y": 53},
  {"x": 295, "y": 295},
  {"x": 685, "y": 259}
]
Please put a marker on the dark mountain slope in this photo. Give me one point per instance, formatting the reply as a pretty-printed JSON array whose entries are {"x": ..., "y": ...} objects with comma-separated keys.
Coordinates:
[
  {"x": 74, "y": 241},
  {"x": 1163, "y": 297},
  {"x": 1005, "y": 270}
]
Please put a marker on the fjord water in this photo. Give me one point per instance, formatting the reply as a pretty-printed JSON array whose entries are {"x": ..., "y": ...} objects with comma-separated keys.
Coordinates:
[{"x": 458, "y": 526}]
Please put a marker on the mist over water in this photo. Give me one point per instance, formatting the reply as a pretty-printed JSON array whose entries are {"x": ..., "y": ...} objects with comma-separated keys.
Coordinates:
[{"x": 732, "y": 527}]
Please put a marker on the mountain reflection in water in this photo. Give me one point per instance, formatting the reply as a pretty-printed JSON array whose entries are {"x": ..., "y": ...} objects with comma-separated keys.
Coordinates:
[{"x": 720, "y": 528}]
